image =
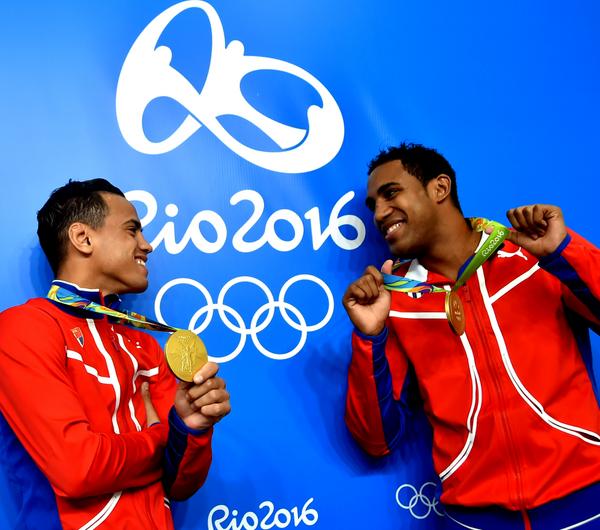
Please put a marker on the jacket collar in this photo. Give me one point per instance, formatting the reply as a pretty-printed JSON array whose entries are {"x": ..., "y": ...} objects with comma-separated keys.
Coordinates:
[
  {"x": 93, "y": 295},
  {"x": 418, "y": 272}
]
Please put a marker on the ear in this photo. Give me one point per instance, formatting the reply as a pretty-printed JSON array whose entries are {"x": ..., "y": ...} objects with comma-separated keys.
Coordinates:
[
  {"x": 80, "y": 238},
  {"x": 439, "y": 188}
]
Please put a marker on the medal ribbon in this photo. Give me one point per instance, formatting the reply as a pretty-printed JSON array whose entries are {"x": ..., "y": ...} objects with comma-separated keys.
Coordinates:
[
  {"x": 63, "y": 296},
  {"x": 492, "y": 243}
]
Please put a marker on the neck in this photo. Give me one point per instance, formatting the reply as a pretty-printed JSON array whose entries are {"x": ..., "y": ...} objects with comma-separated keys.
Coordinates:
[
  {"x": 82, "y": 279},
  {"x": 455, "y": 242}
]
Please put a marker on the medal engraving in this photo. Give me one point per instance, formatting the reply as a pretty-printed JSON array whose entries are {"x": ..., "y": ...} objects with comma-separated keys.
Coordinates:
[
  {"x": 186, "y": 354},
  {"x": 455, "y": 313}
]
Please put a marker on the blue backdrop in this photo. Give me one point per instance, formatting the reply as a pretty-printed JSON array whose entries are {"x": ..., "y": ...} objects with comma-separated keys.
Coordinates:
[{"x": 242, "y": 130}]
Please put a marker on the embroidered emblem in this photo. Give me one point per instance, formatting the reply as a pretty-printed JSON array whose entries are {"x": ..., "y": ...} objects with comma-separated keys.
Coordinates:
[{"x": 78, "y": 335}]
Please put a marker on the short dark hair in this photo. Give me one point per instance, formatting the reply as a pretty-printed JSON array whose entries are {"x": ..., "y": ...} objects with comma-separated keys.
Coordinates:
[
  {"x": 76, "y": 201},
  {"x": 421, "y": 162}
]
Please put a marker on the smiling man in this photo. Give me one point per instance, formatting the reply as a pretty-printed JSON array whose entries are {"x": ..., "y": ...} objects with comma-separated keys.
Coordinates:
[
  {"x": 95, "y": 431},
  {"x": 508, "y": 386}
]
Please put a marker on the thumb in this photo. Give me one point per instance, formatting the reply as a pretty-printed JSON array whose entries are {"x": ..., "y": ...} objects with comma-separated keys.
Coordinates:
[
  {"x": 515, "y": 237},
  {"x": 151, "y": 415},
  {"x": 386, "y": 268}
]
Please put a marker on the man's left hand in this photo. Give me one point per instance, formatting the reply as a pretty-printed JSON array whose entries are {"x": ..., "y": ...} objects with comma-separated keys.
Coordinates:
[
  {"x": 204, "y": 402},
  {"x": 539, "y": 228}
]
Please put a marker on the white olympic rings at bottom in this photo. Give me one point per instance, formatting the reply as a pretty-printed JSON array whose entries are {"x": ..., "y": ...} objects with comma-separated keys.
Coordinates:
[
  {"x": 419, "y": 497},
  {"x": 239, "y": 326}
]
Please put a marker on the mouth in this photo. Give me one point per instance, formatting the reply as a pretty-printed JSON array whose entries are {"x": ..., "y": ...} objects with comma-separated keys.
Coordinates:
[
  {"x": 141, "y": 261},
  {"x": 389, "y": 230}
]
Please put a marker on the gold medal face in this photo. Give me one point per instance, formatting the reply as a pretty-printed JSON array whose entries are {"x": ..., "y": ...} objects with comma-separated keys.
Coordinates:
[
  {"x": 455, "y": 313},
  {"x": 186, "y": 354}
]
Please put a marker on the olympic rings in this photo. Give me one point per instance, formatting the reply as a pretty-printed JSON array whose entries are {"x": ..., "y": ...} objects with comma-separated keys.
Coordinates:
[
  {"x": 419, "y": 497},
  {"x": 232, "y": 319}
]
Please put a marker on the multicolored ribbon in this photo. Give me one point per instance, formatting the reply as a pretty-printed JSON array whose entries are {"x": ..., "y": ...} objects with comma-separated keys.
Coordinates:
[
  {"x": 64, "y": 296},
  {"x": 492, "y": 243}
]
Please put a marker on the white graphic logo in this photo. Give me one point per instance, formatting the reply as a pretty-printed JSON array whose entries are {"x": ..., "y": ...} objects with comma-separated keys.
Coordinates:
[
  {"x": 416, "y": 502},
  {"x": 519, "y": 252},
  {"x": 282, "y": 518},
  {"x": 147, "y": 75},
  {"x": 194, "y": 234},
  {"x": 296, "y": 321}
]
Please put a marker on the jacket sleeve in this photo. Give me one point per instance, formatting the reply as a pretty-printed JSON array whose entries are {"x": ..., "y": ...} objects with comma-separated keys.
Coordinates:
[
  {"x": 576, "y": 263},
  {"x": 188, "y": 452},
  {"x": 43, "y": 409},
  {"x": 377, "y": 402},
  {"x": 187, "y": 460}
]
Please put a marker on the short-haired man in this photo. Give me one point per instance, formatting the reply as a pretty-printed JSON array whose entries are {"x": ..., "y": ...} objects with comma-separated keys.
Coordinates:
[
  {"x": 95, "y": 431},
  {"x": 511, "y": 400}
]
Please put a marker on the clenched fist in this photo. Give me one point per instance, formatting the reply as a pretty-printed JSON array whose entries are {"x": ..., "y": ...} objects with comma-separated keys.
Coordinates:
[
  {"x": 539, "y": 228},
  {"x": 367, "y": 302}
]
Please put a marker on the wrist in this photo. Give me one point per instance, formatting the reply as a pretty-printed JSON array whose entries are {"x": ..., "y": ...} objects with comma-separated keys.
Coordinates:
[
  {"x": 186, "y": 425},
  {"x": 371, "y": 331},
  {"x": 197, "y": 426},
  {"x": 550, "y": 259},
  {"x": 375, "y": 338}
]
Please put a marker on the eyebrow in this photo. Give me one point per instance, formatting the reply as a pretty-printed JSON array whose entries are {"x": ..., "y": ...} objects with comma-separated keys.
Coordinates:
[
  {"x": 369, "y": 200},
  {"x": 134, "y": 222},
  {"x": 385, "y": 186}
]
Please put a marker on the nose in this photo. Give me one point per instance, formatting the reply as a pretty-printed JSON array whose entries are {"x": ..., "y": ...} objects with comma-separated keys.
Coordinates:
[
  {"x": 144, "y": 245},
  {"x": 381, "y": 211}
]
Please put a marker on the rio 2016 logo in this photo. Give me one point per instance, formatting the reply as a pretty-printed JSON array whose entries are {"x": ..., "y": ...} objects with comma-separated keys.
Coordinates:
[
  {"x": 147, "y": 75},
  {"x": 194, "y": 234},
  {"x": 222, "y": 518}
]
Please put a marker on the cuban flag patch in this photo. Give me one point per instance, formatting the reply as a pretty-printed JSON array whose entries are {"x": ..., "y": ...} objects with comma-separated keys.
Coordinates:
[{"x": 78, "y": 335}]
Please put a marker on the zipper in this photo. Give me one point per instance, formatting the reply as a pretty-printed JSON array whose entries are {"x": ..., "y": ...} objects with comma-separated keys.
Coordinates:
[{"x": 494, "y": 370}]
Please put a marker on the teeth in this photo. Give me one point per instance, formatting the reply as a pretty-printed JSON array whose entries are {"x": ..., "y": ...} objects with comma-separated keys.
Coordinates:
[
  {"x": 140, "y": 262},
  {"x": 393, "y": 227}
]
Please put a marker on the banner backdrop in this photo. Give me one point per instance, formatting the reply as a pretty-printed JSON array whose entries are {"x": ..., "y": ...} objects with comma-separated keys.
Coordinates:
[{"x": 241, "y": 131}]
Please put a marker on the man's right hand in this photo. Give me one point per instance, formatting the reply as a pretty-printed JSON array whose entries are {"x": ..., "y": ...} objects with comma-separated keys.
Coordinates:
[
  {"x": 151, "y": 414},
  {"x": 367, "y": 302}
]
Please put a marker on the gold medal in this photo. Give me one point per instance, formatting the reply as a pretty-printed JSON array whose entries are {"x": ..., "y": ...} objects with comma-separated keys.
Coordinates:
[
  {"x": 455, "y": 313},
  {"x": 185, "y": 353}
]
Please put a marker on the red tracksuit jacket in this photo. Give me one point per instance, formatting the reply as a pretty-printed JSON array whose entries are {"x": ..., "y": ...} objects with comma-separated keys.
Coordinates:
[
  {"x": 70, "y": 392},
  {"x": 513, "y": 407}
]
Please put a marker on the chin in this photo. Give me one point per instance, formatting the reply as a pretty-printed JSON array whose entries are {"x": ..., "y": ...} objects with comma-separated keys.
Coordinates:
[
  {"x": 403, "y": 252},
  {"x": 140, "y": 288},
  {"x": 133, "y": 288}
]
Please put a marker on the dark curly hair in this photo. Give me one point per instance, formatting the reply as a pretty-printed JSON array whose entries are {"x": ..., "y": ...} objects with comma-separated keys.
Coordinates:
[{"x": 421, "y": 162}]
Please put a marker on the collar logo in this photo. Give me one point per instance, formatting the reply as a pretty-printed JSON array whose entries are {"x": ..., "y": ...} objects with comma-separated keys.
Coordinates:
[
  {"x": 78, "y": 335},
  {"x": 147, "y": 74}
]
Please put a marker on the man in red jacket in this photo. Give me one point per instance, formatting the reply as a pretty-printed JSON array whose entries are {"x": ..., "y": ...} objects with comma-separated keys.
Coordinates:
[
  {"x": 94, "y": 429},
  {"x": 507, "y": 388}
]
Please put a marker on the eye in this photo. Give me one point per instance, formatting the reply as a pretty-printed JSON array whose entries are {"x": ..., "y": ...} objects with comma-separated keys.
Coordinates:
[{"x": 390, "y": 193}]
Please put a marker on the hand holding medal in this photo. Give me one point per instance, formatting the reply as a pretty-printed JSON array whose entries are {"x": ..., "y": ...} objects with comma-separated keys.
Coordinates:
[
  {"x": 204, "y": 401},
  {"x": 367, "y": 301}
]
